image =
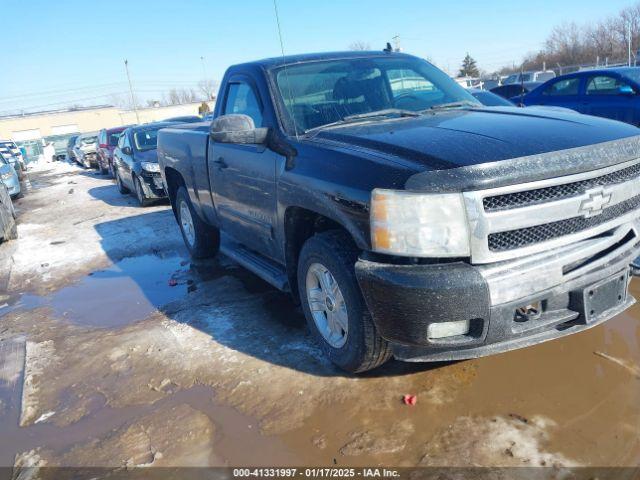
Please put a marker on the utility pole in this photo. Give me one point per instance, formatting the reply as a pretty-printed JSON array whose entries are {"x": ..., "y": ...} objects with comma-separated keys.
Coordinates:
[
  {"x": 133, "y": 99},
  {"x": 396, "y": 43},
  {"x": 204, "y": 78},
  {"x": 629, "y": 43}
]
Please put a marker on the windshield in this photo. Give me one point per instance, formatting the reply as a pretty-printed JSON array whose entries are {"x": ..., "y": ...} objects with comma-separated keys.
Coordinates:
[
  {"x": 113, "y": 138},
  {"x": 320, "y": 93},
  {"x": 88, "y": 140},
  {"x": 146, "y": 139}
]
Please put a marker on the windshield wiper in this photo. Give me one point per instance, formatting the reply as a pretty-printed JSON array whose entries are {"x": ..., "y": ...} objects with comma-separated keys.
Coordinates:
[
  {"x": 364, "y": 116},
  {"x": 382, "y": 113},
  {"x": 445, "y": 106}
]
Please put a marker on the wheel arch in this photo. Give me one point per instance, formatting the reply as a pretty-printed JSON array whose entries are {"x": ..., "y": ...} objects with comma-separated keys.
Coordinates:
[{"x": 300, "y": 224}]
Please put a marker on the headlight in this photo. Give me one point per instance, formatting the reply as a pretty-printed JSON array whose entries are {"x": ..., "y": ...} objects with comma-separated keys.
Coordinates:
[
  {"x": 419, "y": 225},
  {"x": 150, "y": 166}
]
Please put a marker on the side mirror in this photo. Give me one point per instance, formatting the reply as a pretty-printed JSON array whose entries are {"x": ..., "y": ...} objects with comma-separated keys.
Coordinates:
[
  {"x": 237, "y": 128},
  {"x": 626, "y": 90},
  {"x": 126, "y": 150}
]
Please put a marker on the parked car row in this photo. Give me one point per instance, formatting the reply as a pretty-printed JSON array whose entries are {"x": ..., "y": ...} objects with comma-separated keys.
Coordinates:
[
  {"x": 127, "y": 154},
  {"x": 12, "y": 154},
  {"x": 612, "y": 93},
  {"x": 12, "y": 171}
]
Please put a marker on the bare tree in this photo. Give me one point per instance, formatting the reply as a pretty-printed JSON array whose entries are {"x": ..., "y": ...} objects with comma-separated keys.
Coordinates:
[
  {"x": 208, "y": 89},
  {"x": 359, "y": 45},
  {"x": 122, "y": 100},
  {"x": 572, "y": 45}
]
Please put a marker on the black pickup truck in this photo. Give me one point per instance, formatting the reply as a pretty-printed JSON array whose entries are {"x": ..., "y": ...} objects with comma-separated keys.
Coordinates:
[{"x": 408, "y": 219}]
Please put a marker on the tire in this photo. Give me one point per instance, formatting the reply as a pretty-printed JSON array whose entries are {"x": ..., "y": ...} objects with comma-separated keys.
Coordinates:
[
  {"x": 202, "y": 240},
  {"x": 13, "y": 233},
  {"x": 363, "y": 348},
  {"x": 142, "y": 199},
  {"x": 121, "y": 188}
]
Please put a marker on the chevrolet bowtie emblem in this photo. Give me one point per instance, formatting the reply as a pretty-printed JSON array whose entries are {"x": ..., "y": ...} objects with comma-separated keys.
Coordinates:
[{"x": 595, "y": 202}]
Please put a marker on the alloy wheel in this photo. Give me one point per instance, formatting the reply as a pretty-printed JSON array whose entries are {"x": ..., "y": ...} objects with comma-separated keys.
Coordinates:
[
  {"x": 186, "y": 223},
  {"x": 327, "y": 305}
]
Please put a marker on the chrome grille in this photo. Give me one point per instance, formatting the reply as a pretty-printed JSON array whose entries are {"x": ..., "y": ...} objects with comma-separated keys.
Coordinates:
[
  {"x": 518, "y": 220},
  {"x": 557, "y": 192},
  {"x": 523, "y": 237}
]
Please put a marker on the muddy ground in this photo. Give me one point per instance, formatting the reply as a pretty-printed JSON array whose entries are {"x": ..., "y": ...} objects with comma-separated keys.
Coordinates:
[{"x": 104, "y": 363}]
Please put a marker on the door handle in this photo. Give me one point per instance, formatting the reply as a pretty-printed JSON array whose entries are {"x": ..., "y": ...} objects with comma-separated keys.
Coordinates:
[{"x": 220, "y": 162}]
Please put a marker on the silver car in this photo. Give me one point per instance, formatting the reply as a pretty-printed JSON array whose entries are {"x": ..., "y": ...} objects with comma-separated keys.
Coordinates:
[
  {"x": 85, "y": 150},
  {"x": 13, "y": 160},
  {"x": 8, "y": 176},
  {"x": 11, "y": 145}
]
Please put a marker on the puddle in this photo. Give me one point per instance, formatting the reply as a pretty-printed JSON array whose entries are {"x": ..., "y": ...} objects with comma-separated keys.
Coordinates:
[
  {"x": 128, "y": 291},
  {"x": 234, "y": 433}
]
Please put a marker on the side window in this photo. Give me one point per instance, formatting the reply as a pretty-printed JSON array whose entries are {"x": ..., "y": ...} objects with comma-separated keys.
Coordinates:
[
  {"x": 568, "y": 86},
  {"x": 242, "y": 99},
  {"x": 604, "y": 85},
  {"x": 121, "y": 142}
]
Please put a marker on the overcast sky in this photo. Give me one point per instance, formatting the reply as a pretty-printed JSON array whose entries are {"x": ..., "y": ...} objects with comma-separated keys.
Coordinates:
[{"x": 72, "y": 51}]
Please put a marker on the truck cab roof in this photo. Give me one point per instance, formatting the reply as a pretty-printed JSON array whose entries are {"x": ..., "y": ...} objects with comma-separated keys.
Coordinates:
[{"x": 268, "y": 63}]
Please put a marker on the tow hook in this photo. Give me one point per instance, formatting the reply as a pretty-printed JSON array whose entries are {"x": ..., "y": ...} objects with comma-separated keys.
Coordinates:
[{"x": 528, "y": 312}]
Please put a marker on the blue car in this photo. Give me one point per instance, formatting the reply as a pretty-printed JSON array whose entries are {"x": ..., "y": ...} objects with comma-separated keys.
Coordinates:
[
  {"x": 611, "y": 93},
  {"x": 8, "y": 176}
]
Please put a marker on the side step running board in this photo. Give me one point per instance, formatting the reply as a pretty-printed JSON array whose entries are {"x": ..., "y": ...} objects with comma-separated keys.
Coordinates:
[{"x": 265, "y": 268}]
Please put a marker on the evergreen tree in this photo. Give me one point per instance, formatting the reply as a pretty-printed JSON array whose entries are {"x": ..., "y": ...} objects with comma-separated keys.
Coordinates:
[{"x": 469, "y": 67}]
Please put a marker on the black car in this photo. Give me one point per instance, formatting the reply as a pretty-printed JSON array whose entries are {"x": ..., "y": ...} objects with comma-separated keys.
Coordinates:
[
  {"x": 70, "y": 144},
  {"x": 515, "y": 91},
  {"x": 135, "y": 162}
]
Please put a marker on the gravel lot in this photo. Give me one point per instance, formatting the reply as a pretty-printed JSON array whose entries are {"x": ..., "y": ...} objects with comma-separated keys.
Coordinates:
[{"x": 104, "y": 363}]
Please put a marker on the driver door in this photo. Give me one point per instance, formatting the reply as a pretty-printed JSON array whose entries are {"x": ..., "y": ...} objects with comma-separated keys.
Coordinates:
[
  {"x": 610, "y": 97},
  {"x": 244, "y": 176}
]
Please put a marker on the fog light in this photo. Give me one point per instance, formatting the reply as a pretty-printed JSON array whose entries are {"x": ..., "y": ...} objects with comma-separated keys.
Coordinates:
[{"x": 448, "y": 329}]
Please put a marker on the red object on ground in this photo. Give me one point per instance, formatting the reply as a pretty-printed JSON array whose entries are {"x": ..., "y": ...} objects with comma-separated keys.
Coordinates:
[
  {"x": 410, "y": 400},
  {"x": 173, "y": 282}
]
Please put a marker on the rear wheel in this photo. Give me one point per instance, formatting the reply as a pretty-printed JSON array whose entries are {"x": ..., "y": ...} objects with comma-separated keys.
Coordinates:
[
  {"x": 201, "y": 239},
  {"x": 336, "y": 313}
]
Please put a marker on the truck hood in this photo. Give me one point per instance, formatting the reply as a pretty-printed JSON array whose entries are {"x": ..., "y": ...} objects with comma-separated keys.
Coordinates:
[{"x": 461, "y": 138}]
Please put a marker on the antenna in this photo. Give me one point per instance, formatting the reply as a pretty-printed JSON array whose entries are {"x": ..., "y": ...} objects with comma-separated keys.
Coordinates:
[{"x": 284, "y": 63}]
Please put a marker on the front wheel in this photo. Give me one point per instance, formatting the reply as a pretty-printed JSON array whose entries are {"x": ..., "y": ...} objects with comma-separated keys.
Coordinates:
[
  {"x": 336, "y": 313},
  {"x": 142, "y": 198},
  {"x": 201, "y": 239},
  {"x": 121, "y": 188}
]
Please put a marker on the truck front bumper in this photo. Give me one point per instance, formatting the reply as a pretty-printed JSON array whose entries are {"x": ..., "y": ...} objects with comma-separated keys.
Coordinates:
[{"x": 508, "y": 305}]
